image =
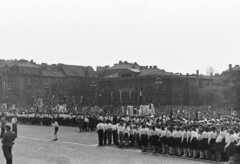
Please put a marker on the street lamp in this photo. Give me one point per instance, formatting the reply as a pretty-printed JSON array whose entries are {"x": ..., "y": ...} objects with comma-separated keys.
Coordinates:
[
  {"x": 158, "y": 83},
  {"x": 93, "y": 86}
]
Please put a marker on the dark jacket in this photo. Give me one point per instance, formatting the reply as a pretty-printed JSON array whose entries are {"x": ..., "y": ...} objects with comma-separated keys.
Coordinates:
[{"x": 8, "y": 138}]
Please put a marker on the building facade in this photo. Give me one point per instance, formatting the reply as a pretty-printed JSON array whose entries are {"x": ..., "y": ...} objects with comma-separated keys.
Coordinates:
[
  {"x": 131, "y": 84},
  {"x": 23, "y": 82}
]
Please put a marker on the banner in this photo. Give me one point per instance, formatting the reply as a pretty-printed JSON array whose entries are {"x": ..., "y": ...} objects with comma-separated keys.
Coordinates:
[
  {"x": 112, "y": 96},
  {"x": 120, "y": 97},
  {"x": 140, "y": 98},
  {"x": 81, "y": 100}
]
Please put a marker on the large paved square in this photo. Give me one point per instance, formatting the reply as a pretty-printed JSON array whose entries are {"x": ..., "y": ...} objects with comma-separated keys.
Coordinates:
[{"x": 35, "y": 146}]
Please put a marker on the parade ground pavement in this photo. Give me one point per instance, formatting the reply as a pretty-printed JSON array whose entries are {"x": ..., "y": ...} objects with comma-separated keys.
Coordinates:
[{"x": 34, "y": 145}]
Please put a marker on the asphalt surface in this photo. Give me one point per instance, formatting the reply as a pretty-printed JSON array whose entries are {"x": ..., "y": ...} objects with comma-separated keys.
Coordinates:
[{"x": 34, "y": 145}]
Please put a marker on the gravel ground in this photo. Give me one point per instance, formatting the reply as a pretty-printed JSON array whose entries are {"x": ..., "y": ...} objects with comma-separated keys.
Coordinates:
[{"x": 35, "y": 146}]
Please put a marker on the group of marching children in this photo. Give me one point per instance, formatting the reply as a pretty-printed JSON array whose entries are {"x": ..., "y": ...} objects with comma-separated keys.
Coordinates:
[{"x": 194, "y": 140}]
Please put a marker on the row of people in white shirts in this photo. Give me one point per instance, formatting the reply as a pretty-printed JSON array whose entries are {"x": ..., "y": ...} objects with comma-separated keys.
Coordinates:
[{"x": 176, "y": 134}]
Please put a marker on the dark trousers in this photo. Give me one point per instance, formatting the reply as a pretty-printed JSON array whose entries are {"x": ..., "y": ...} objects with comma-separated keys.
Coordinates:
[
  {"x": 132, "y": 139},
  {"x": 121, "y": 136},
  {"x": 80, "y": 126},
  {"x": 86, "y": 126},
  {"x": 115, "y": 137},
  {"x": 7, "y": 152},
  {"x": 14, "y": 129},
  {"x": 100, "y": 137},
  {"x": 2, "y": 132},
  {"x": 105, "y": 137},
  {"x": 139, "y": 141},
  {"x": 109, "y": 136}
]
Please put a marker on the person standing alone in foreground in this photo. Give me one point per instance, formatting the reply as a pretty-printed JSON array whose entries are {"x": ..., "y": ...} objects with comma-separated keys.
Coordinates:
[
  {"x": 7, "y": 142},
  {"x": 55, "y": 124}
]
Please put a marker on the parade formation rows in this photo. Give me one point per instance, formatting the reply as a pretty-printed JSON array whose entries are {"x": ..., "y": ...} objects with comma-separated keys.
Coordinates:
[{"x": 211, "y": 134}]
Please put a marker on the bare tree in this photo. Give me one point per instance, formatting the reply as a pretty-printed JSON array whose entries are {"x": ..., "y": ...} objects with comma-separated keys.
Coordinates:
[{"x": 210, "y": 71}]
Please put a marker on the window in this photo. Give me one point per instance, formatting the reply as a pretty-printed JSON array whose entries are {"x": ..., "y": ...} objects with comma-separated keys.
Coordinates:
[
  {"x": 29, "y": 81},
  {"x": 29, "y": 87},
  {"x": 126, "y": 75}
]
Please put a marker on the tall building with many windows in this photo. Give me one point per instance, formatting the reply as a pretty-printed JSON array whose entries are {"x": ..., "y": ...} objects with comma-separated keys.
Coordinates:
[
  {"x": 131, "y": 84},
  {"x": 22, "y": 82}
]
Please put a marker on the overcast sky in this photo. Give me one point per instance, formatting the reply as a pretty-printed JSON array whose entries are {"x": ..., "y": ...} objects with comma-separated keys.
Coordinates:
[{"x": 177, "y": 35}]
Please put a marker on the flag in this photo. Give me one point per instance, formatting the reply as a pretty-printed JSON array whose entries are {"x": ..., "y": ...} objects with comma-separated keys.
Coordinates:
[
  {"x": 140, "y": 99},
  {"x": 40, "y": 103},
  {"x": 120, "y": 97},
  {"x": 73, "y": 99},
  {"x": 112, "y": 95},
  {"x": 130, "y": 95},
  {"x": 81, "y": 100}
]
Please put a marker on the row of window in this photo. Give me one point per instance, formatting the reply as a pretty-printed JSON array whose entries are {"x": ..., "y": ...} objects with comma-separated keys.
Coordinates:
[
  {"x": 147, "y": 88},
  {"x": 27, "y": 71}
]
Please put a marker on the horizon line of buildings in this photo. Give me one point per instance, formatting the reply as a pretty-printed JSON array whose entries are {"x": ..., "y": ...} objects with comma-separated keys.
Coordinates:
[{"x": 22, "y": 82}]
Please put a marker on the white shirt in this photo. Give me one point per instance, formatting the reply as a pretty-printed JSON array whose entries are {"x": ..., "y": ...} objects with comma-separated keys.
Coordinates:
[
  {"x": 14, "y": 120},
  {"x": 219, "y": 138},
  {"x": 55, "y": 124}
]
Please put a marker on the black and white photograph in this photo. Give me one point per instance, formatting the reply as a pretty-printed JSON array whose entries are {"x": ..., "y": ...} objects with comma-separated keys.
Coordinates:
[{"x": 120, "y": 81}]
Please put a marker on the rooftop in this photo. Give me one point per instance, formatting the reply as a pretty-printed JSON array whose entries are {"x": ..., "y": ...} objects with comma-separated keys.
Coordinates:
[{"x": 82, "y": 71}]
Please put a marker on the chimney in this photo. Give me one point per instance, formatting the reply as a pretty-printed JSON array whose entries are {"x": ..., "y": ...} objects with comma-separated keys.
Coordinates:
[
  {"x": 125, "y": 62},
  {"x": 197, "y": 72},
  {"x": 230, "y": 66},
  {"x": 187, "y": 74},
  {"x": 135, "y": 63},
  {"x": 31, "y": 61},
  {"x": 120, "y": 62},
  {"x": 150, "y": 67},
  {"x": 236, "y": 65},
  {"x": 146, "y": 66},
  {"x": 155, "y": 66}
]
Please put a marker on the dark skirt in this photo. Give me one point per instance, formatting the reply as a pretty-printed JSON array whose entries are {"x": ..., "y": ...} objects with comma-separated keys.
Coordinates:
[
  {"x": 144, "y": 140},
  {"x": 189, "y": 143},
  {"x": 200, "y": 145},
  {"x": 232, "y": 149},
  {"x": 178, "y": 142},
  {"x": 163, "y": 140},
  {"x": 171, "y": 142},
  {"x": 184, "y": 143},
  {"x": 223, "y": 142},
  {"x": 211, "y": 144},
  {"x": 218, "y": 146},
  {"x": 205, "y": 143},
  {"x": 154, "y": 140},
  {"x": 194, "y": 144}
]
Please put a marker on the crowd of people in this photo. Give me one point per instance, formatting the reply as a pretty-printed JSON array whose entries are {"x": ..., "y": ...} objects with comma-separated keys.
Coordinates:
[
  {"x": 190, "y": 131},
  {"x": 182, "y": 131}
]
